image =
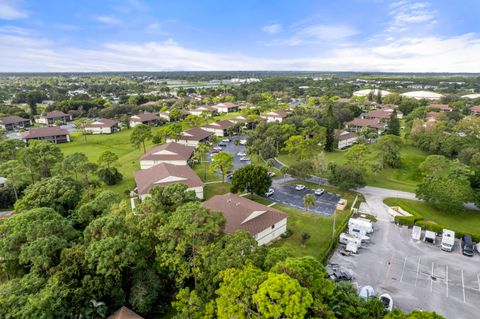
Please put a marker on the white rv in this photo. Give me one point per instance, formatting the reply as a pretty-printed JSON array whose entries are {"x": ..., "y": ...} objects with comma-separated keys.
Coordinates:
[
  {"x": 448, "y": 240},
  {"x": 416, "y": 233},
  {"x": 361, "y": 223}
]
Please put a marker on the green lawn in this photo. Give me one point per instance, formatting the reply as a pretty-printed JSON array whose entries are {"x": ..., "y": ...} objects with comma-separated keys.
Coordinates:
[
  {"x": 206, "y": 175},
  {"x": 467, "y": 221},
  {"x": 211, "y": 190},
  {"x": 404, "y": 178}
]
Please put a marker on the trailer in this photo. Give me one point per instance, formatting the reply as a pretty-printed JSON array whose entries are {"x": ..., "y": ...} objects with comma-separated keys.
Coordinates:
[
  {"x": 358, "y": 233},
  {"x": 430, "y": 237},
  {"x": 361, "y": 223},
  {"x": 346, "y": 238},
  {"x": 416, "y": 233},
  {"x": 448, "y": 240}
]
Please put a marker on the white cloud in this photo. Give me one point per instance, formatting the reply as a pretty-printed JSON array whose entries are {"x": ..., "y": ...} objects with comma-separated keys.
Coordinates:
[
  {"x": 272, "y": 28},
  {"x": 316, "y": 34},
  {"x": 406, "y": 15},
  {"x": 106, "y": 19},
  {"x": 21, "y": 53},
  {"x": 10, "y": 10}
]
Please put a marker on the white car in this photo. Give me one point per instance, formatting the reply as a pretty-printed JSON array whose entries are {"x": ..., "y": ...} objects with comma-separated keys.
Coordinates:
[
  {"x": 217, "y": 148},
  {"x": 270, "y": 192},
  {"x": 271, "y": 174},
  {"x": 241, "y": 154},
  {"x": 299, "y": 187},
  {"x": 243, "y": 142},
  {"x": 226, "y": 140},
  {"x": 244, "y": 159},
  {"x": 319, "y": 191},
  {"x": 367, "y": 292},
  {"x": 387, "y": 301}
]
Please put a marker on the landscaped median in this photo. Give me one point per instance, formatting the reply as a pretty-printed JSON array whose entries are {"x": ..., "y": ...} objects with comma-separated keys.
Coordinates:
[{"x": 434, "y": 219}]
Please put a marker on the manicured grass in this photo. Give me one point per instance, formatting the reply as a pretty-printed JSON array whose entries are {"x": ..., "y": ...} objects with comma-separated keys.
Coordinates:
[
  {"x": 211, "y": 190},
  {"x": 404, "y": 178},
  {"x": 206, "y": 175},
  {"x": 467, "y": 221},
  {"x": 118, "y": 143}
]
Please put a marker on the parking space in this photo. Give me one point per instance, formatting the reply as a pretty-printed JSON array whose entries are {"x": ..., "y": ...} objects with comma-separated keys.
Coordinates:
[
  {"x": 285, "y": 193},
  {"x": 416, "y": 274},
  {"x": 233, "y": 149}
]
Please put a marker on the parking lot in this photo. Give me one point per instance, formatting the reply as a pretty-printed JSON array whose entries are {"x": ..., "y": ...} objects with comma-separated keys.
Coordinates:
[
  {"x": 416, "y": 274},
  {"x": 233, "y": 149},
  {"x": 285, "y": 193}
]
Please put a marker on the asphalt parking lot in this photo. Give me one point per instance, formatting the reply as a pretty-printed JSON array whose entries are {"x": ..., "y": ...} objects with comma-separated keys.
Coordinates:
[
  {"x": 416, "y": 274},
  {"x": 285, "y": 193},
  {"x": 233, "y": 149}
]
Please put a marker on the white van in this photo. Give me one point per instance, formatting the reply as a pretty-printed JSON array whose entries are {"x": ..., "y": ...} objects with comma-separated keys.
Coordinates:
[{"x": 448, "y": 240}]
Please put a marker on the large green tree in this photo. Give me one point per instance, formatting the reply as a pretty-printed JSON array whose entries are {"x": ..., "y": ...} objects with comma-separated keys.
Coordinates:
[
  {"x": 251, "y": 178},
  {"x": 40, "y": 157},
  {"x": 15, "y": 175},
  {"x": 389, "y": 151},
  {"x": 222, "y": 162},
  {"x": 393, "y": 126},
  {"x": 140, "y": 134}
]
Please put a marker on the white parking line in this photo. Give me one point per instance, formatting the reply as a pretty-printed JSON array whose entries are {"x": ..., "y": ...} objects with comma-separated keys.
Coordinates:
[
  {"x": 403, "y": 270},
  {"x": 446, "y": 278},
  {"x": 431, "y": 278},
  {"x": 418, "y": 269},
  {"x": 463, "y": 288}
]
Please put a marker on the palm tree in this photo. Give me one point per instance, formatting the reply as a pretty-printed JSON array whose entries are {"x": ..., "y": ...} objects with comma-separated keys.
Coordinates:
[
  {"x": 284, "y": 171},
  {"x": 309, "y": 201}
]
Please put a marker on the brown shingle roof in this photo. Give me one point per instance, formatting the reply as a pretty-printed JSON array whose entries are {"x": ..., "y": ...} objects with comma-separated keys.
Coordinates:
[
  {"x": 228, "y": 105},
  {"x": 12, "y": 120},
  {"x": 165, "y": 174},
  {"x": 225, "y": 124},
  {"x": 103, "y": 123},
  {"x": 144, "y": 117},
  {"x": 55, "y": 114},
  {"x": 169, "y": 151},
  {"x": 124, "y": 313},
  {"x": 441, "y": 107},
  {"x": 196, "y": 134},
  {"x": 278, "y": 114},
  {"x": 44, "y": 132},
  {"x": 344, "y": 135},
  {"x": 475, "y": 108},
  {"x": 243, "y": 213},
  {"x": 374, "y": 123}
]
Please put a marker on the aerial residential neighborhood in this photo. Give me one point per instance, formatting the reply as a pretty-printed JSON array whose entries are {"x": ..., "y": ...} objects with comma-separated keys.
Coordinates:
[{"x": 239, "y": 159}]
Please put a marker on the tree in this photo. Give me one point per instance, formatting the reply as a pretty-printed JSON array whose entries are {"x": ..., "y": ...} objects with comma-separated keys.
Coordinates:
[
  {"x": 107, "y": 158},
  {"x": 110, "y": 175},
  {"x": 469, "y": 125},
  {"x": 330, "y": 135},
  {"x": 304, "y": 238},
  {"x": 39, "y": 158},
  {"x": 359, "y": 156},
  {"x": 80, "y": 124},
  {"x": 389, "y": 148},
  {"x": 393, "y": 126},
  {"x": 301, "y": 169},
  {"x": 175, "y": 114},
  {"x": 98, "y": 206},
  {"x": 346, "y": 177},
  {"x": 14, "y": 173},
  {"x": 309, "y": 201},
  {"x": 284, "y": 171},
  {"x": 445, "y": 183},
  {"x": 280, "y": 296},
  {"x": 78, "y": 163},
  {"x": 299, "y": 146},
  {"x": 35, "y": 238},
  {"x": 10, "y": 149},
  {"x": 222, "y": 162},
  {"x": 251, "y": 178},
  {"x": 140, "y": 134},
  {"x": 61, "y": 194}
]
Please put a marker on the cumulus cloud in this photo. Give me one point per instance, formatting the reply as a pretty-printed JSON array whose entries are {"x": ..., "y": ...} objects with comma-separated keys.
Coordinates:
[
  {"x": 10, "y": 10},
  {"x": 272, "y": 28},
  {"x": 316, "y": 34},
  {"x": 406, "y": 15}
]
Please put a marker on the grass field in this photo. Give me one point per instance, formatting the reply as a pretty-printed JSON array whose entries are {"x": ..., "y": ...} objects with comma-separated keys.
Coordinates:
[
  {"x": 404, "y": 178},
  {"x": 467, "y": 221}
]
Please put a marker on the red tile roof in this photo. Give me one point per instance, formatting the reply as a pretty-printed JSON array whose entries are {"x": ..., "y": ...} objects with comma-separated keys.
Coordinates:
[{"x": 243, "y": 214}]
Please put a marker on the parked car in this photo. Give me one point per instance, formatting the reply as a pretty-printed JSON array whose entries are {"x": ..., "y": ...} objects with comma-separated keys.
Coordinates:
[
  {"x": 230, "y": 176},
  {"x": 271, "y": 174},
  {"x": 244, "y": 159},
  {"x": 467, "y": 245},
  {"x": 241, "y": 154},
  {"x": 222, "y": 144},
  {"x": 339, "y": 275},
  {"x": 226, "y": 140},
  {"x": 299, "y": 187},
  {"x": 319, "y": 191},
  {"x": 448, "y": 240},
  {"x": 387, "y": 301},
  {"x": 270, "y": 192},
  {"x": 214, "y": 151},
  {"x": 217, "y": 148},
  {"x": 367, "y": 292},
  {"x": 243, "y": 142}
]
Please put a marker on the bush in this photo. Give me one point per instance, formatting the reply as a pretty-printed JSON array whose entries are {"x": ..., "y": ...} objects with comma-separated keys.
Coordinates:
[{"x": 110, "y": 175}]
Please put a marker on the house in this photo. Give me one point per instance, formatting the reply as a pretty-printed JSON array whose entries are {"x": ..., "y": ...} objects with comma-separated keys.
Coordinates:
[
  {"x": 54, "y": 116},
  {"x": 358, "y": 124},
  {"x": 204, "y": 109},
  {"x": 226, "y": 107},
  {"x": 264, "y": 223},
  {"x": 440, "y": 107},
  {"x": 475, "y": 110},
  {"x": 345, "y": 138},
  {"x": 164, "y": 174},
  {"x": 220, "y": 128},
  {"x": 14, "y": 122},
  {"x": 193, "y": 137},
  {"x": 276, "y": 116},
  {"x": 382, "y": 114},
  {"x": 166, "y": 115},
  {"x": 53, "y": 134},
  {"x": 146, "y": 118},
  {"x": 171, "y": 153},
  {"x": 124, "y": 313},
  {"x": 102, "y": 126}
]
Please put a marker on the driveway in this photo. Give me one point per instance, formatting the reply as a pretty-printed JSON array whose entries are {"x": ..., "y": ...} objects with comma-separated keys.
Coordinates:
[
  {"x": 285, "y": 193},
  {"x": 417, "y": 275}
]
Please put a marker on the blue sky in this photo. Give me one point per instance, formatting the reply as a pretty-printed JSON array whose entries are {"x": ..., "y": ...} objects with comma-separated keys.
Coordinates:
[{"x": 328, "y": 35}]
